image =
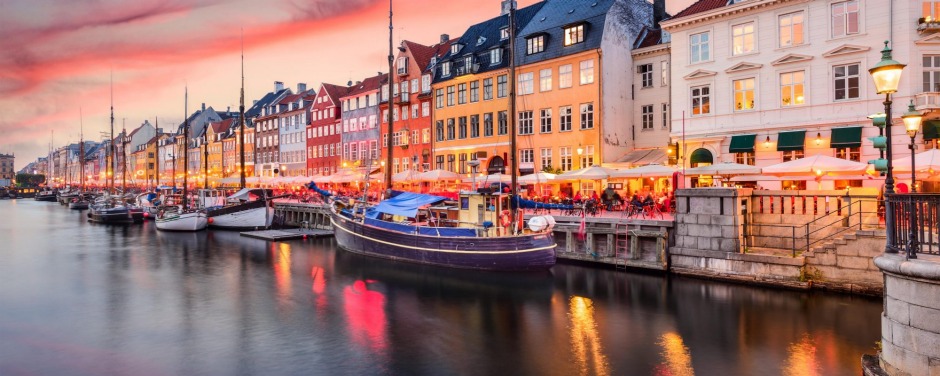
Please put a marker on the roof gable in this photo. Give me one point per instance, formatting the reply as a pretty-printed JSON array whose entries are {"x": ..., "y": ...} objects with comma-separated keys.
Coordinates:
[
  {"x": 743, "y": 66},
  {"x": 791, "y": 58},
  {"x": 699, "y": 73},
  {"x": 846, "y": 49}
]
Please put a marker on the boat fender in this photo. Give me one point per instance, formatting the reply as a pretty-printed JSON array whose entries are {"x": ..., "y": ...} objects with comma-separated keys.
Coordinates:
[{"x": 210, "y": 220}]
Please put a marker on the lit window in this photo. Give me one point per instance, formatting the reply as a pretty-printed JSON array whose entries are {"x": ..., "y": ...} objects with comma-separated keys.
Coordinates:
[
  {"x": 587, "y": 72},
  {"x": 701, "y": 100},
  {"x": 574, "y": 35},
  {"x": 791, "y": 29},
  {"x": 791, "y": 89},
  {"x": 742, "y": 38},
  {"x": 743, "y": 94},
  {"x": 535, "y": 45}
]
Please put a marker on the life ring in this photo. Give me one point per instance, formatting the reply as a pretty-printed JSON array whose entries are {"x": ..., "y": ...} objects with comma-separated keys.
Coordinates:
[{"x": 505, "y": 219}]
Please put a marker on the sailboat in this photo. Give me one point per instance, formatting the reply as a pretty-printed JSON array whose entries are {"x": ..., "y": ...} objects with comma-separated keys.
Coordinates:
[
  {"x": 417, "y": 228},
  {"x": 247, "y": 209},
  {"x": 108, "y": 208},
  {"x": 79, "y": 202},
  {"x": 180, "y": 217}
]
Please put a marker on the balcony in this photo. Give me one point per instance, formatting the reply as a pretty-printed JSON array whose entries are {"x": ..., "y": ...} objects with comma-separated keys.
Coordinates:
[
  {"x": 927, "y": 101},
  {"x": 927, "y": 25}
]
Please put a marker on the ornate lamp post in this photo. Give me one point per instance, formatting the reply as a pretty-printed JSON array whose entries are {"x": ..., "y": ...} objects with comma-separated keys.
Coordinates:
[
  {"x": 912, "y": 120},
  {"x": 887, "y": 75}
]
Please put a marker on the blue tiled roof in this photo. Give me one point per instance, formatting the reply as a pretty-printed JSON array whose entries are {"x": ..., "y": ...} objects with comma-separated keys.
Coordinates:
[
  {"x": 551, "y": 20},
  {"x": 255, "y": 109},
  {"x": 490, "y": 32}
]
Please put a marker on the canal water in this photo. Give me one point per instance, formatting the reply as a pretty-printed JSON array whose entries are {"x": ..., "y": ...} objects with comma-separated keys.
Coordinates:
[{"x": 83, "y": 299}]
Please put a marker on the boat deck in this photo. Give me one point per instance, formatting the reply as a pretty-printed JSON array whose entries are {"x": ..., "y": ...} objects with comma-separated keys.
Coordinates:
[{"x": 287, "y": 234}]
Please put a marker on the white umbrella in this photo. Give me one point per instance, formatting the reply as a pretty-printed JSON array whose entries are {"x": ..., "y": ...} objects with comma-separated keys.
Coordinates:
[
  {"x": 724, "y": 168},
  {"x": 927, "y": 161},
  {"x": 438, "y": 175},
  {"x": 648, "y": 171},
  {"x": 494, "y": 178},
  {"x": 404, "y": 176},
  {"x": 817, "y": 165},
  {"x": 589, "y": 173},
  {"x": 538, "y": 177},
  {"x": 322, "y": 179}
]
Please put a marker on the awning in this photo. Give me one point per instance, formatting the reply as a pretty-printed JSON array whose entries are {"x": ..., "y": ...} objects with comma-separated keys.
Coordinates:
[
  {"x": 931, "y": 129},
  {"x": 742, "y": 143},
  {"x": 406, "y": 203},
  {"x": 701, "y": 156},
  {"x": 794, "y": 140},
  {"x": 847, "y": 137},
  {"x": 644, "y": 157}
]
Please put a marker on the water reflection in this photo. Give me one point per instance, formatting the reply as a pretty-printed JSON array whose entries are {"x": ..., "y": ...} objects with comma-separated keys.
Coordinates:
[
  {"x": 677, "y": 361},
  {"x": 365, "y": 313},
  {"x": 280, "y": 253},
  {"x": 802, "y": 359},
  {"x": 585, "y": 340}
]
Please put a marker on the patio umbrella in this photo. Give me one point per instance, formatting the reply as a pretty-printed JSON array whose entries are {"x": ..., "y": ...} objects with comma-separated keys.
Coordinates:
[
  {"x": 928, "y": 161},
  {"x": 817, "y": 165},
  {"x": 322, "y": 179},
  {"x": 648, "y": 171},
  {"x": 494, "y": 178},
  {"x": 405, "y": 176},
  {"x": 590, "y": 173},
  {"x": 438, "y": 175},
  {"x": 538, "y": 177},
  {"x": 724, "y": 168}
]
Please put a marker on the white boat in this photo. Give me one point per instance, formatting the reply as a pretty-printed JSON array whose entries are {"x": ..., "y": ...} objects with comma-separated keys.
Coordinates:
[
  {"x": 177, "y": 219},
  {"x": 149, "y": 203},
  {"x": 248, "y": 209}
]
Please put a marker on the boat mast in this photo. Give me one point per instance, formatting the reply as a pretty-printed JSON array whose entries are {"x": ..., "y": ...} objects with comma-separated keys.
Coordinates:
[
  {"x": 241, "y": 117},
  {"x": 514, "y": 202},
  {"x": 205, "y": 157},
  {"x": 186, "y": 147},
  {"x": 111, "y": 163},
  {"x": 391, "y": 102},
  {"x": 81, "y": 147},
  {"x": 123, "y": 155},
  {"x": 157, "y": 173}
]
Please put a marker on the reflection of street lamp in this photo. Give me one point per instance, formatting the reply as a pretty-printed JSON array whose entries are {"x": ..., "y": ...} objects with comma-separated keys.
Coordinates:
[{"x": 887, "y": 74}]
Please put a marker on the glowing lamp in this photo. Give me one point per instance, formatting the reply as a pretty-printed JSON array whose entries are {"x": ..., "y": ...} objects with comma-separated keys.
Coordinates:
[
  {"x": 912, "y": 120},
  {"x": 887, "y": 73}
]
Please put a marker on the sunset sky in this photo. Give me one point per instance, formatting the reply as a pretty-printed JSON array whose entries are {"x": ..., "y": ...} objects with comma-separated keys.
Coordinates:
[{"x": 58, "y": 55}]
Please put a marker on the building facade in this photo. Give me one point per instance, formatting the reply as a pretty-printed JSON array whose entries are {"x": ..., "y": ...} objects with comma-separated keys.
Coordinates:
[
  {"x": 7, "y": 172},
  {"x": 324, "y": 131},
  {"x": 360, "y": 118},
  {"x": 267, "y": 142},
  {"x": 292, "y": 115}
]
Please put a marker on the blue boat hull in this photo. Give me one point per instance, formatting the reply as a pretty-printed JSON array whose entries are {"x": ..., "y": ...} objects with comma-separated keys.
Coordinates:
[{"x": 524, "y": 252}]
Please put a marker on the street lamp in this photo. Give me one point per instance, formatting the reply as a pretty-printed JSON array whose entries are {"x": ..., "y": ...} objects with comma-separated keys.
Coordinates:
[
  {"x": 887, "y": 75},
  {"x": 912, "y": 120}
]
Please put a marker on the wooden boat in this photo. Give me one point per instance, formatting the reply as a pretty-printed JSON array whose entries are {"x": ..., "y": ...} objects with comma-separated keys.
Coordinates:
[
  {"x": 247, "y": 209},
  {"x": 176, "y": 218},
  {"x": 46, "y": 195},
  {"x": 78, "y": 203},
  {"x": 109, "y": 211}
]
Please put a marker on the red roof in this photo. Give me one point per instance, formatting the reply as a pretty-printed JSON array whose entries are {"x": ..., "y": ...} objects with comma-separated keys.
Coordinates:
[
  {"x": 290, "y": 98},
  {"x": 699, "y": 7},
  {"x": 222, "y": 126},
  {"x": 648, "y": 37},
  {"x": 335, "y": 92},
  {"x": 369, "y": 84}
]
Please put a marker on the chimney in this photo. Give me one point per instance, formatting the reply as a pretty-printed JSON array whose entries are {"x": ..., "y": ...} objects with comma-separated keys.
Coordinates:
[
  {"x": 301, "y": 87},
  {"x": 445, "y": 38},
  {"x": 659, "y": 12},
  {"x": 348, "y": 83},
  {"x": 203, "y": 106},
  {"x": 506, "y": 5},
  {"x": 228, "y": 109},
  {"x": 278, "y": 86},
  {"x": 254, "y": 102},
  {"x": 358, "y": 83}
]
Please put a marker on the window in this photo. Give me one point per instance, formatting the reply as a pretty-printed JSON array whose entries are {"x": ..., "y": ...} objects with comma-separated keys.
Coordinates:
[
  {"x": 525, "y": 123},
  {"x": 931, "y": 73},
  {"x": 445, "y": 69},
  {"x": 488, "y": 124},
  {"x": 545, "y": 80},
  {"x": 503, "y": 123},
  {"x": 701, "y": 98},
  {"x": 426, "y": 83},
  {"x": 587, "y": 159},
  {"x": 462, "y": 127},
  {"x": 545, "y": 120},
  {"x": 564, "y": 118},
  {"x": 526, "y": 156},
  {"x": 535, "y": 45},
  {"x": 474, "y": 126},
  {"x": 501, "y": 86},
  {"x": 647, "y": 117},
  {"x": 439, "y": 129},
  {"x": 931, "y": 9},
  {"x": 353, "y": 150},
  {"x": 791, "y": 89},
  {"x": 463, "y": 164},
  {"x": 439, "y": 160},
  {"x": 455, "y": 48},
  {"x": 587, "y": 116},
  {"x": 742, "y": 38},
  {"x": 852, "y": 154},
  {"x": 450, "y": 129},
  {"x": 426, "y": 135},
  {"x": 744, "y": 158},
  {"x": 487, "y": 89},
  {"x": 504, "y": 33},
  {"x": 846, "y": 81},
  {"x": 474, "y": 91},
  {"x": 496, "y": 56},
  {"x": 574, "y": 35},
  {"x": 698, "y": 48},
  {"x": 461, "y": 93},
  {"x": 439, "y": 95},
  {"x": 743, "y": 94},
  {"x": 404, "y": 114},
  {"x": 450, "y": 163},
  {"x": 664, "y": 73},
  {"x": 791, "y": 29},
  {"x": 665, "y": 115},
  {"x": 790, "y": 155},
  {"x": 646, "y": 74},
  {"x": 564, "y": 76},
  {"x": 425, "y": 109},
  {"x": 546, "y": 154},
  {"x": 587, "y": 72},
  {"x": 450, "y": 96},
  {"x": 526, "y": 84},
  {"x": 844, "y": 18},
  {"x": 565, "y": 153}
]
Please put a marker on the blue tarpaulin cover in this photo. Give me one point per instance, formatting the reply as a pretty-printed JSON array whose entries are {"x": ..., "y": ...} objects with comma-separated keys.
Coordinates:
[{"x": 406, "y": 203}]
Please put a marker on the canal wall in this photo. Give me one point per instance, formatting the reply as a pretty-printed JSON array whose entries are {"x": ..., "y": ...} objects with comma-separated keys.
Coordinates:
[
  {"x": 622, "y": 242},
  {"x": 910, "y": 323}
]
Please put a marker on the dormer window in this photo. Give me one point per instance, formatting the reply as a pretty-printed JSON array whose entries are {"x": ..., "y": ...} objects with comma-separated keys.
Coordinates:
[
  {"x": 433, "y": 60},
  {"x": 481, "y": 40},
  {"x": 496, "y": 56},
  {"x": 468, "y": 62},
  {"x": 504, "y": 33},
  {"x": 402, "y": 65},
  {"x": 535, "y": 45},
  {"x": 445, "y": 69},
  {"x": 574, "y": 34},
  {"x": 454, "y": 49}
]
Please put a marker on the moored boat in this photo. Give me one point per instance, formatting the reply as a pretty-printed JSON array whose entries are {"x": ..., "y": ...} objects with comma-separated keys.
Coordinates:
[
  {"x": 247, "y": 209},
  {"x": 78, "y": 203},
  {"x": 175, "y": 218},
  {"x": 109, "y": 212},
  {"x": 47, "y": 195}
]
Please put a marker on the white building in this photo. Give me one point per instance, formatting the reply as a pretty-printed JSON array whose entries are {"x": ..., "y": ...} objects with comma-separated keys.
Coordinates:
[{"x": 767, "y": 81}]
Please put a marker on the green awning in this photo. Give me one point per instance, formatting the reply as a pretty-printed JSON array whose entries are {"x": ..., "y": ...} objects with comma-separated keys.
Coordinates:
[
  {"x": 848, "y": 137},
  {"x": 794, "y": 140},
  {"x": 742, "y": 143},
  {"x": 931, "y": 129},
  {"x": 700, "y": 156}
]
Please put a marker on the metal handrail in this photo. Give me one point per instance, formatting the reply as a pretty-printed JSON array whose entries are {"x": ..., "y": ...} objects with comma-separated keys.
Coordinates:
[
  {"x": 916, "y": 228},
  {"x": 807, "y": 233}
]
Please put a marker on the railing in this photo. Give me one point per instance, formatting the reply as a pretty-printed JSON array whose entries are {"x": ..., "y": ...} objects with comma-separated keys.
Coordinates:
[{"x": 916, "y": 223}]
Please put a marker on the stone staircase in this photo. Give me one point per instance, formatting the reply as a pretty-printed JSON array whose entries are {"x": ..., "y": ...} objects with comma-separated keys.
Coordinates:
[
  {"x": 844, "y": 238},
  {"x": 846, "y": 262}
]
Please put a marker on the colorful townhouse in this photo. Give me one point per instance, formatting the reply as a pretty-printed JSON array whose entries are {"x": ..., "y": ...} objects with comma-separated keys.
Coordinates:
[
  {"x": 411, "y": 104},
  {"x": 651, "y": 127},
  {"x": 471, "y": 96},
  {"x": 324, "y": 131},
  {"x": 214, "y": 135},
  {"x": 292, "y": 115},
  {"x": 764, "y": 82},
  {"x": 263, "y": 115},
  {"x": 360, "y": 118}
]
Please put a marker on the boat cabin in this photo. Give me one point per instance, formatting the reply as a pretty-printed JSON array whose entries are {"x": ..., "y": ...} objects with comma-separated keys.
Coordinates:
[
  {"x": 476, "y": 209},
  {"x": 211, "y": 197}
]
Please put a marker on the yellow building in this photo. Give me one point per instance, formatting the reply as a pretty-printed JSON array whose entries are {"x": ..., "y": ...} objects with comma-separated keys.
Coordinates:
[{"x": 216, "y": 131}]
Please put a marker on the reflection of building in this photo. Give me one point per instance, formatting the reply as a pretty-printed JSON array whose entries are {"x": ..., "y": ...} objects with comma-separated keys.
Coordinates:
[
  {"x": 764, "y": 82},
  {"x": 6, "y": 167}
]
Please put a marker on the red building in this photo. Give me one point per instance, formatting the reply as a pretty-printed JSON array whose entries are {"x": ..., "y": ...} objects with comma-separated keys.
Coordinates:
[
  {"x": 324, "y": 131},
  {"x": 413, "y": 74}
]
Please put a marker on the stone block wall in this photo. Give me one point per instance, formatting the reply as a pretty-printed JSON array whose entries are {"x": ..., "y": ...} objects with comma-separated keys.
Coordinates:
[
  {"x": 849, "y": 266},
  {"x": 709, "y": 219},
  {"x": 910, "y": 323}
]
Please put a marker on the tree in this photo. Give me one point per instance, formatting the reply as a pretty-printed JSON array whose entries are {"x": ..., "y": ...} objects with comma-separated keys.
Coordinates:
[
  {"x": 29, "y": 180},
  {"x": 549, "y": 170}
]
